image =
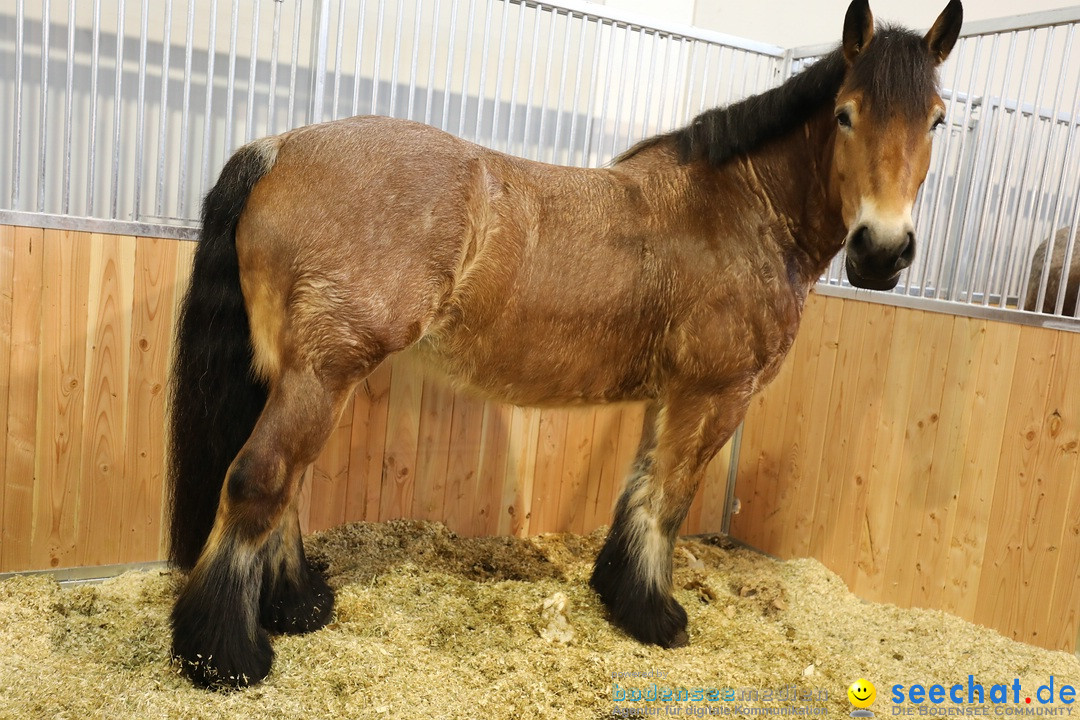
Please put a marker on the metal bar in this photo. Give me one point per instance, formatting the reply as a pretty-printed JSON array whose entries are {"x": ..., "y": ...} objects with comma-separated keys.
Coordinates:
[
  {"x": 208, "y": 125},
  {"x": 1070, "y": 240},
  {"x": 465, "y": 75},
  {"x": 163, "y": 113},
  {"x": 1025, "y": 261},
  {"x": 500, "y": 64},
  {"x": 339, "y": 47},
  {"x": 99, "y": 225},
  {"x": 418, "y": 9},
  {"x": 230, "y": 81},
  {"x": 46, "y": 24},
  {"x": 185, "y": 114},
  {"x": 705, "y": 78},
  {"x": 69, "y": 88},
  {"x": 140, "y": 113},
  {"x": 436, "y": 12},
  {"x": 275, "y": 47},
  {"x": 638, "y": 21},
  {"x": 449, "y": 66},
  {"x": 632, "y": 121},
  {"x": 20, "y": 47},
  {"x": 532, "y": 78},
  {"x": 362, "y": 11},
  {"x": 620, "y": 95},
  {"x": 562, "y": 89},
  {"x": 378, "y": 58},
  {"x": 319, "y": 48},
  {"x": 605, "y": 88},
  {"x": 483, "y": 70},
  {"x": 253, "y": 66},
  {"x": 547, "y": 82},
  {"x": 294, "y": 63},
  {"x": 115, "y": 186},
  {"x": 680, "y": 67},
  {"x": 595, "y": 69},
  {"x": 514, "y": 78},
  {"x": 650, "y": 80},
  {"x": 395, "y": 64},
  {"x": 95, "y": 55}
]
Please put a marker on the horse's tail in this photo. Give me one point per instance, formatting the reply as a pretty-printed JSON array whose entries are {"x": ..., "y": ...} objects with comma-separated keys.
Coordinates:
[{"x": 215, "y": 396}]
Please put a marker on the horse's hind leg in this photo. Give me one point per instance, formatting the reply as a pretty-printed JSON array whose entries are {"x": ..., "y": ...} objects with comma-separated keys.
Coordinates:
[
  {"x": 217, "y": 635},
  {"x": 632, "y": 574}
]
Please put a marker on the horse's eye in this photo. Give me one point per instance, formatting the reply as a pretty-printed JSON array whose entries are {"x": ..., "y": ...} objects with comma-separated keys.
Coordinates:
[
  {"x": 938, "y": 122},
  {"x": 843, "y": 119}
]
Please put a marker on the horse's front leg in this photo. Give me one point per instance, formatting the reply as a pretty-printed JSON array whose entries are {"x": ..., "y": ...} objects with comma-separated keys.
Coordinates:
[{"x": 633, "y": 570}]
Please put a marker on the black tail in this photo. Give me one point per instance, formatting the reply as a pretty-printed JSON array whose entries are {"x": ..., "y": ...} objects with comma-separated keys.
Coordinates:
[{"x": 215, "y": 397}]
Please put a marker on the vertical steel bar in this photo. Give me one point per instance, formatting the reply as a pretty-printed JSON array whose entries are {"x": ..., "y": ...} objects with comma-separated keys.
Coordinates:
[
  {"x": 397, "y": 58},
  {"x": 532, "y": 80},
  {"x": 1059, "y": 299},
  {"x": 253, "y": 66},
  {"x": 275, "y": 48},
  {"x": 319, "y": 48},
  {"x": 339, "y": 47},
  {"x": 46, "y": 24},
  {"x": 418, "y": 9},
  {"x": 562, "y": 89},
  {"x": 570, "y": 153},
  {"x": 378, "y": 58},
  {"x": 362, "y": 10},
  {"x": 189, "y": 43},
  {"x": 117, "y": 107},
  {"x": 483, "y": 69},
  {"x": 589, "y": 100},
  {"x": 693, "y": 71},
  {"x": 650, "y": 80},
  {"x": 1016, "y": 254},
  {"x": 208, "y": 119},
  {"x": 547, "y": 82},
  {"x": 95, "y": 55},
  {"x": 230, "y": 81},
  {"x": 69, "y": 88},
  {"x": 632, "y": 121},
  {"x": 465, "y": 74},
  {"x": 163, "y": 113},
  {"x": 500, "y": 65},
  {"x": 605, "y": 88},
  {"x": 519, "y": 41},
  {"x": 430, "y": 96},
  {"x": 140, "y": 112},
  {"x": 619, "y": 95},
  {"x": 676, "y": 118},
  {"x": 705, "y": 77},
  {"x": 16, "y": 154},
  {"x": 294, "y": 64},
  {"x": 447, "y": 85}
]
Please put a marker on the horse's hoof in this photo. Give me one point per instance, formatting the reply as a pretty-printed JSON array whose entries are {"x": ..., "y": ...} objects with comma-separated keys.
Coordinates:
[
  {"x": 645, "y": 613},
  {"x": 294, "y": 607},
  {"x": 232, "y": 663}
]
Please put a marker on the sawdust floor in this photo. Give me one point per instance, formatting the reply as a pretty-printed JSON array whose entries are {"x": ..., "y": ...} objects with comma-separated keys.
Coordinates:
[{"x": 429, "y": 625}]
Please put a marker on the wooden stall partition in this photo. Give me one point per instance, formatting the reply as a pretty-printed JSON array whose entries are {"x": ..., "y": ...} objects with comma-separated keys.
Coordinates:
[
  {"x": 929, "y": 459},
  {"x": 86, "y": 328}
]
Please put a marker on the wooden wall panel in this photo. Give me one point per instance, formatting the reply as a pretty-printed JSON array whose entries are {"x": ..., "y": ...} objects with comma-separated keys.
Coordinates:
[
  {"x": 86, "y": 327},
  {"x": 948, "y": 476}
]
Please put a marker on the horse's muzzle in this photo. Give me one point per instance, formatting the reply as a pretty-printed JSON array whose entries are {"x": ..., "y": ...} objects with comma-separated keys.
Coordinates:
[{"x": 875, "y": 264}]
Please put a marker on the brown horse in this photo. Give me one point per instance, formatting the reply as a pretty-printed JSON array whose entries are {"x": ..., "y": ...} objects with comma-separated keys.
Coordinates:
[
  {"x": 1056, "y": 275},
  {"x": 675, "y": 277}
]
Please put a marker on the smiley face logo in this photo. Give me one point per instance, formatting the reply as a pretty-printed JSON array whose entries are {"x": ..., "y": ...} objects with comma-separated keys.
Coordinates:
[{"x": 861, "y": 693}]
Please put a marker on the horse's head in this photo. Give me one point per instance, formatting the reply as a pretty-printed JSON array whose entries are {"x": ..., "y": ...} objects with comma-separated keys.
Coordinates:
[{"x": 886, "y": 112}]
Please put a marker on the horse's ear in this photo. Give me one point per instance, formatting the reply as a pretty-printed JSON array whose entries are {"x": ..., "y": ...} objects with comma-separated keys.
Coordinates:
[
  {"x": 941, "y": 38},
  {"x": 858, "y": 28}
]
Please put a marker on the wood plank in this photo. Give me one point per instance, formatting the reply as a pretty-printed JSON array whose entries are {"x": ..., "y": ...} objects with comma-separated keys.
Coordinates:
[
  {"x": 20, "y": 440},
  {"x": 605, "y": 473},
  {"x": 63, "y": 381},
  {"x": 370, "y": 412},
  {"x": 103, "y": 478},
  {"x": 549, "y": 459},
  {"x": 708, "y": 515},
  {"x": 517, "y": 491},
  {"x": 329, "y": 481},
  {"x": 1045, "y": 528},
  {"x": 810, "y": 486},
  {"x": 153, "y": 306},
  {"x": 433, "y": 451},
  {"x": 900, "y": 383},
  {"x": 573, "y": 480},
  {"x": 904, "y": 568},
  {"x": 954, "y": 427},
  {"x": 7, "y": 279},
  {"x": 491, "y": 473},
  {"x": 1006, "y": 560},
  {"x": 463, "y": 463},
  {"x": 1064, "y": 603},
  {"x": 978, "y": 482},
  {"x": 402, "y": 431}
]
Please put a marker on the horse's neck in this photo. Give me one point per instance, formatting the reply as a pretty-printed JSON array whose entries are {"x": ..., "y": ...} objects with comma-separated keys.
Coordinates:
[{"x": 793, "y": 174}]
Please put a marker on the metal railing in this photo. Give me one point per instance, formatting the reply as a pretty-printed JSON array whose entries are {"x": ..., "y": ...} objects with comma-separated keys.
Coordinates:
[{"x": 121, "y": 112}]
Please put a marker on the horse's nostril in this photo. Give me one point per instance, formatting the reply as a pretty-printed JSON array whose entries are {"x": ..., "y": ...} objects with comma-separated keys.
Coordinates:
[
  {"x": 860, "y": 239},
  {"x": 906, "y": 255}
]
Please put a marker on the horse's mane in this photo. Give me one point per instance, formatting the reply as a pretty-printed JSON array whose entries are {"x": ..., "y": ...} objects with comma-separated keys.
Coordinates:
[{"x": 893, "y": 70}]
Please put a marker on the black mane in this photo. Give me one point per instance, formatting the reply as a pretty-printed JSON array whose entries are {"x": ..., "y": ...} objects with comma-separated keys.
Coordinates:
[{"x": 895, "y": 73}]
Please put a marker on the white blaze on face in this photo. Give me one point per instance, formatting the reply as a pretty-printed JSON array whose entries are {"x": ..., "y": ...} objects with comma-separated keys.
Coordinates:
[{"x": 889, "y": 227}]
